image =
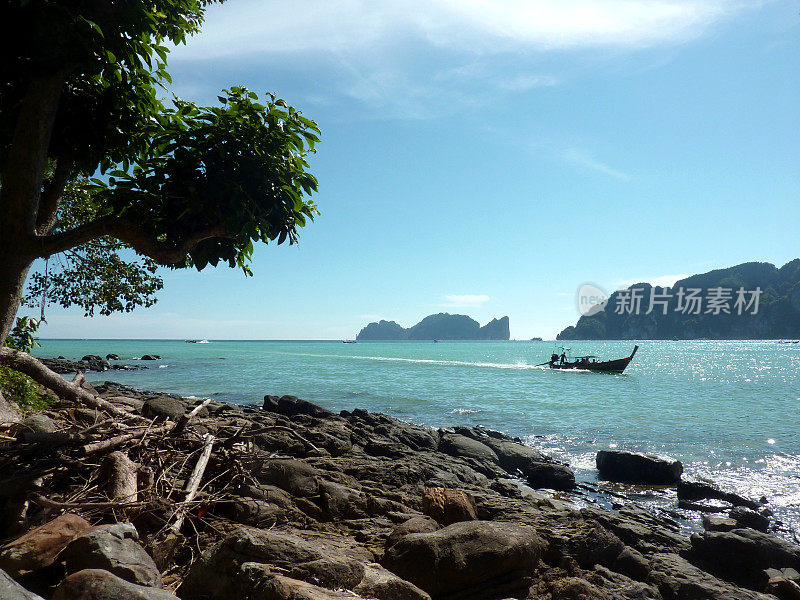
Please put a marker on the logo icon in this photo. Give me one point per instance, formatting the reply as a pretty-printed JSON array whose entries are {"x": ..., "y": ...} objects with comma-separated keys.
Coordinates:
[{"x": 591, "y": 299}]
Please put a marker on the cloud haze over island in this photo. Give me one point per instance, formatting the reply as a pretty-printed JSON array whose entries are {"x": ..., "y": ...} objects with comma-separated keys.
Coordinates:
[{"x": 491, "y": 157}]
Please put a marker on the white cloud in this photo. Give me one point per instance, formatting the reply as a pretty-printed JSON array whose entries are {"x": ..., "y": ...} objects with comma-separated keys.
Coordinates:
[
  {"x": 659, "y": 281},
  {"x": 585, "y": 159},
  {"x": 465, "y": 300},
  {"x": 251, "y": 26}
]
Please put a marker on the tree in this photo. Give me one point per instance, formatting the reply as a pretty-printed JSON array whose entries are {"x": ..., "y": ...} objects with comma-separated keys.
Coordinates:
[{"x": 181, "y": 184}]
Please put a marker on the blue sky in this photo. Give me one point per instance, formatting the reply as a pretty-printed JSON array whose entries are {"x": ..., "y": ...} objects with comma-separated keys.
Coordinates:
[{"x": 489, "y": 157}]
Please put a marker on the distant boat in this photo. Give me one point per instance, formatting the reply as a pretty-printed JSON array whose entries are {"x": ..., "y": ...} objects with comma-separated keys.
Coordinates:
[
  {"x": 590, "y": 363},
  {"x": 348, "y": 341},
  {"x": 190, "y": 341},
  {"x": 435, "y": 341}
]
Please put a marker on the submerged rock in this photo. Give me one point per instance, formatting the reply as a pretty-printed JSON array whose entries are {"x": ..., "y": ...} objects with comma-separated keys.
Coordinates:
[
  {"x": 634, "y": 467},
  {"x": 699, "y": 490}
]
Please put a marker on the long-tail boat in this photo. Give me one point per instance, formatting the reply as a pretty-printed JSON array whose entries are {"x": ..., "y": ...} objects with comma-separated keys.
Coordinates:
[{"x": 590, "y": 363}]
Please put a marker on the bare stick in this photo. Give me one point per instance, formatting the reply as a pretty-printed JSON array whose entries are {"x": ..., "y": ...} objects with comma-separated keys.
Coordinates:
[
  {"x": 194, "y": 482},
  {"x": 184, "y": 420},
  {"x": 117, "y": 441}
]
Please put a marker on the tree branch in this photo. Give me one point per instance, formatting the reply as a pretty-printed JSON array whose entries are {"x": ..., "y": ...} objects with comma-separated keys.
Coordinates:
[
  {"x": 129, "y": 233},
  {"x": 48, "y": 203}
]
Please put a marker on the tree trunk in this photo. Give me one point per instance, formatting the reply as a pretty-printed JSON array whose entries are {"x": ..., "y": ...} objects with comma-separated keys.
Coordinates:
[{"x": 13, "y": 271}]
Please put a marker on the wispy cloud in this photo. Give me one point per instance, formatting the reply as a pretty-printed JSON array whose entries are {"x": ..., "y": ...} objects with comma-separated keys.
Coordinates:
[
  {"x": 658, "y": 281},
  {"x": 588, "y": 161},
  {"x": 465, "y": 300}
]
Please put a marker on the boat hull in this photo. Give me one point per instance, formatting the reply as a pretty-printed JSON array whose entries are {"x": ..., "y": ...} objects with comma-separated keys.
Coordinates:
[{"x": 607, "y": 366}]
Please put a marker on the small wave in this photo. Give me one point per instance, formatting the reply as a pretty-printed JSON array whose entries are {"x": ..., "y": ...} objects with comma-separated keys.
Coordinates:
[
  {"x": 465, "y": 411},
  {"x": 203, "y": 342},
  {"x": 162, "y": 366}
]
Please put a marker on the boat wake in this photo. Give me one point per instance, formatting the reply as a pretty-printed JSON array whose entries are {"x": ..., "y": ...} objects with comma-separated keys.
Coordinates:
[{"x": 426, "y": 361}]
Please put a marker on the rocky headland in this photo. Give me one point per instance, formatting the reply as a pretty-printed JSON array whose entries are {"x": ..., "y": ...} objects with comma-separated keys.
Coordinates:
[
  {"x": 442, "y": 326},
  {"x": 149, "y": 496}
]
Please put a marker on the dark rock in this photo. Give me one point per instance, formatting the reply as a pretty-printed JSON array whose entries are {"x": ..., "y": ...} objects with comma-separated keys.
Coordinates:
[
  {"x": 91, "y": 358},
  {"x": 698, "y": 490},
  {"x": 279, "y": 587},
  {"x": 464, "y": 447},
  {"x": 295, "y": 476},
  {"x": 514, "y": 457},
  {"x": 714, "y": 523},
  {"x": 587, "y": 542},
  {"x": 633, "y": 467},
  {"x": 381, "y": 447},
  {"x": 632, "y": 563},
  {"x": 165, "y": 407},
  {"x": 473, "y": 558},
  {"x": 249, "y": 511},
  {"x": 112, "y": 357},
  {"x": 447, "y": 506},
  {"x": 333, "y": 573},
  {"x": 151, "y": 357},
  {"x": 11, "y": 590},
  {"x": 550, "y": 475},
  {"x": 677, "y": 579},
  {"x": 113, "y": 548},
  {"x": 385, "y": 585},
  {"x": 135, "y": 404},
  {"x": 340, "y": 502},
  {"x": 783, "y": 588},
  {"x": 292, "y": 405},
  {"x": 97, "y": 584},
  {"x": 742, "y": 554},
  {"x": 749, "y": 518},
  {"x": 416, "y": 524},
  {"x": 39, "y": 547}
]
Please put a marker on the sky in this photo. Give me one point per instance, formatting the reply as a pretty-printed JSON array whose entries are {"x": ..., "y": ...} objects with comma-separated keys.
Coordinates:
[{"x": 489, "y": 157}]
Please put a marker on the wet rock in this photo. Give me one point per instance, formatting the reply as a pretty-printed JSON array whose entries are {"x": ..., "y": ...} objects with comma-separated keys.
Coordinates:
[
  {"x": 742, "y": 555},
  {"x": 716, "y": 523},
  {"x": 11, "y": 590},
  {"x": 113, "y": 548},
  {"x": 469, "y": 558},
  {"x": 37, "y": 424},
  {"x": 549, "y": 475},
  {"x": 447, "y": 506},
  {"x": 112, "y": 357},
  {"x": 379, "y": 583},
  {"x": 632, "y": 564},
  {"x": 151, "y": 357},
  {"x": 698, "y": 490},
  {"x": 292, "y": 405},
  {"x": 39, "y": 547},
  {"x": 295, "y": 476},
  {"x": 416, "y": 524},
  {"x": 749, "y": 518},
  {"x": 633, "y": 467},
  {"x": 464, "y": 447},
  {"x": 678, "y": 579},
  {"x": 97, "y": 584},
  {"x": 165, "y": 407}
]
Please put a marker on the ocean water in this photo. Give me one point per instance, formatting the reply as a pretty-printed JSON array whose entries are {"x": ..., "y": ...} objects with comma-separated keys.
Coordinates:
[{"x": 729, "y": 410}]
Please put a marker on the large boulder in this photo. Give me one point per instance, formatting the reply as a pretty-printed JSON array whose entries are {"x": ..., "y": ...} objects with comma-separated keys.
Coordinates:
[
  {"x": 470, "y": 558},
  {"x": 677, "y": 579},
  {"x": 295, "y": 476},
  {"x": 585, "y": 541},
  {"x": 461, "y": 446},
  {"x": 97, "y": 584},
  {"x": 745, "y": 517},
  {"x": 164, "y": 407},
  {"x": 633, "y": 467},
  {"x": 39, "y": 547},
  {"x": 11, "y": 590},
  {"x": 37, "y": 424},
  {"x": 549, "y": 475},
  {"x": 416, "y": 524},
  {"x": 113, "y": 548},
  {"x": 742, "y": 555},
  {"x": 448, "y": 506}
]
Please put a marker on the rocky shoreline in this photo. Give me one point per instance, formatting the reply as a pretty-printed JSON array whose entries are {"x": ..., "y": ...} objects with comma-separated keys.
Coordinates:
[{"x": 297, "y": 502}]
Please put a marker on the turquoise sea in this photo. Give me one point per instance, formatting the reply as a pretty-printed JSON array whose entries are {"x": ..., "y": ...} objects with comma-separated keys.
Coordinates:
[{"x": 728, "y": 410}]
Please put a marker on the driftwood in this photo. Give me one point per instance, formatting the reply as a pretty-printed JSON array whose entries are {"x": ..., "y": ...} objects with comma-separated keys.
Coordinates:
[
  {"x": 184, "y": 420},
  {"x": 117, "y": 441},
  {"x": 28, "y": 365},
  {"x": 194, "y": 482},
  {"x": 121, "y": 477}
]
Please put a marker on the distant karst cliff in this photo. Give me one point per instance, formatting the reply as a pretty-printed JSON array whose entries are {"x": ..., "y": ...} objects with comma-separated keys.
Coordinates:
[
  {"x": 721, "y": 304},
  {"x": 443, "y": 326}
]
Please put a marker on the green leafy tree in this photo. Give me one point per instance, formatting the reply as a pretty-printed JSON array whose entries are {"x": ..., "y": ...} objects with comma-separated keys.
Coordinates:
[{"x": 182, "y": 185}]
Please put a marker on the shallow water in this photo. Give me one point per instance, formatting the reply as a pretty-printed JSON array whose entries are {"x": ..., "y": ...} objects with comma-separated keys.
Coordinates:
[{"x": 728, "y": 410}]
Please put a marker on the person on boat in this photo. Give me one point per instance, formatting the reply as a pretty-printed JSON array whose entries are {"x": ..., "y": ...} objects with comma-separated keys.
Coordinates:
[
  {"x": 563, "y": 357},
  {"x": 553, "y": 358}
]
